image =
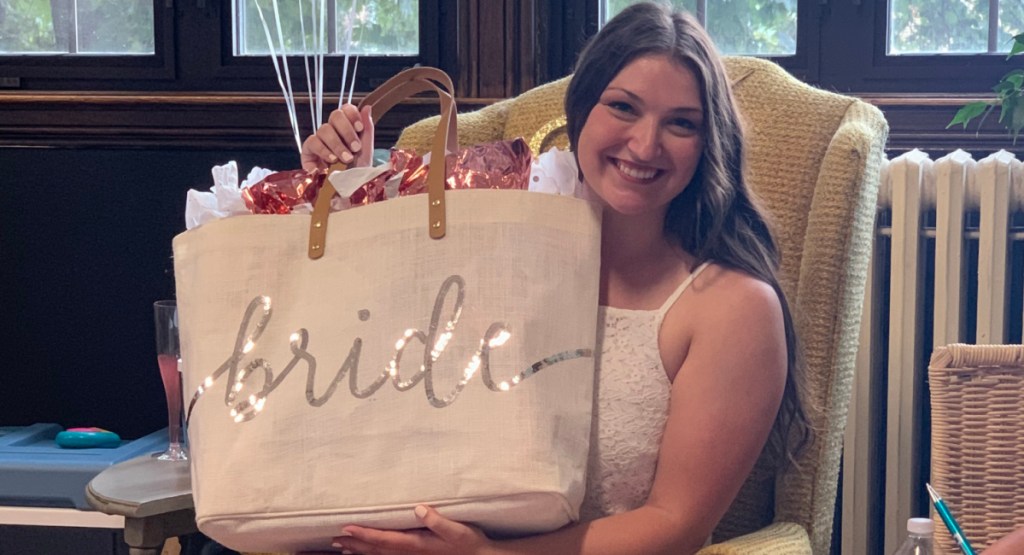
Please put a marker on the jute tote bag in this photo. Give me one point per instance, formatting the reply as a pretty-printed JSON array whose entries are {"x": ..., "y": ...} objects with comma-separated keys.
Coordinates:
[{"x": 428, "y": 349}]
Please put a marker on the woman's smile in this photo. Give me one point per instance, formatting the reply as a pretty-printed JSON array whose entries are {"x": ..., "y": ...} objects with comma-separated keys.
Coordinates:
[{"x": 635, "y": 172}]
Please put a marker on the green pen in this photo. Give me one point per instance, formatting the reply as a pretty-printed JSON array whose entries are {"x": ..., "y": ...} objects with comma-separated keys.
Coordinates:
[{"x": 950, "y": 522}]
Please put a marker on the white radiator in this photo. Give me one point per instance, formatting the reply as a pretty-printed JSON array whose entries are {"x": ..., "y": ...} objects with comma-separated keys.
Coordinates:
[{"x": 947, "y": 266}]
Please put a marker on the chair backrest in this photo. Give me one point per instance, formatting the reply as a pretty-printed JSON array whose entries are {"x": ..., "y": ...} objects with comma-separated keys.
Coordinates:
[
  {"x": 814, "y": 159},
  {"x": 977, "y": 455}
]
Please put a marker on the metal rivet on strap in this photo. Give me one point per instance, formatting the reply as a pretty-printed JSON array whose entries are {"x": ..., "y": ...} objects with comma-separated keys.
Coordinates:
[
  {"x": 435, "y": 203},
  {"x": 316, "y": 247},
  {"x": 437, "y": 225},
  {"x": 318, "y": 224}
]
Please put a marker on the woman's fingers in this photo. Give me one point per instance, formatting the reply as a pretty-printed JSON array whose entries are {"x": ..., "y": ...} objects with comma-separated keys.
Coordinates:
[
  {"x": 365, "y": 157},
  {"x": 370, "y": 541},
  {"x": 339, "y": 133},
  {"x": 315, "y": 154},
  {"x": 347, "y": 136},
  {"x": 448, "y": 530}
]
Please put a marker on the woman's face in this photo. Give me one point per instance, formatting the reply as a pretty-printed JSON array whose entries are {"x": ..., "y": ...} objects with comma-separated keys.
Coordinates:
[{"x": 642, "y": 141}]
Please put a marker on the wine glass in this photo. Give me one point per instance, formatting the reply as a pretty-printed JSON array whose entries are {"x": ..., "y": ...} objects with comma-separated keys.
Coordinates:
[{"x": 168, "y": 357}]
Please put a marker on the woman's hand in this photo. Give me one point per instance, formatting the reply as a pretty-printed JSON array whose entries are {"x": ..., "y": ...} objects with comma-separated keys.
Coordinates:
[
  {"x": 347, "y": 137},
  {"x": 440, "y": 537}
]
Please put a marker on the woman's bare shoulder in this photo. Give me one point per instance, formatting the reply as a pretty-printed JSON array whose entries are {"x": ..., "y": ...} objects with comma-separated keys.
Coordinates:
[{"x": 722, "y": 309}]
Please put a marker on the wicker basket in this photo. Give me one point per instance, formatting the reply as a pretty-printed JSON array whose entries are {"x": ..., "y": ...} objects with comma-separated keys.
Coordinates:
[{"x": 977, "y": 396}]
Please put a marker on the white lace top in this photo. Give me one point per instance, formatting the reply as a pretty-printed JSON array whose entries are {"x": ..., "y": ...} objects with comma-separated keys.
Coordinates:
[{"x": 631, "y": 408}]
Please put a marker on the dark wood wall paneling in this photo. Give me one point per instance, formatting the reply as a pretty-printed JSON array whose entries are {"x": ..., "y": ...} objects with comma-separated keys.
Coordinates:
[{"x": 94, "y": 186}]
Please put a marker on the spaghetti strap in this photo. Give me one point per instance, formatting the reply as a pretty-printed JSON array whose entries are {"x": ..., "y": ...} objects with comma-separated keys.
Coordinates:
[{"x": 679, "y": 290}]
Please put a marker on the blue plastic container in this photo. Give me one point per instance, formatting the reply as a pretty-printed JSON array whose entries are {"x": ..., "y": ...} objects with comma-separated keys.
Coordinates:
[{"x": 35, "y": 472}]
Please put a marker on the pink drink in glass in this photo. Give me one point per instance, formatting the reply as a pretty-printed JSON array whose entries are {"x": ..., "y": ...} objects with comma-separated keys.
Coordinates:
[
  {"x": 168, "y": 351},
  {"x": 172, "y": 388}
]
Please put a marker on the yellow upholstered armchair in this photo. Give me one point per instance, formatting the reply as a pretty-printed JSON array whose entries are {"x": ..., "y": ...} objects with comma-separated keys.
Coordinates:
[{"x": 814, "y": 159}]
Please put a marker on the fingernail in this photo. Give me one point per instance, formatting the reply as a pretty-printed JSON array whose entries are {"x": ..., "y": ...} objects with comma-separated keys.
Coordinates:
[
  {"x": 345, "y": 533},
  {"x": 336, "y": 545},
  {"x": 420, "y": 511},
  {"x": 332, "y": 158},
  {"x": 346, "y": 157},
  {"x": 358, "y": 127},
  {"x": 356, "y": 145}
]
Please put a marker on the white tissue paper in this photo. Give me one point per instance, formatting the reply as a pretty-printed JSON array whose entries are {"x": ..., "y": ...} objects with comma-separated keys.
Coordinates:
[
  {"x": 555, "y": 172},
  {"x": 223, "y": 199}
]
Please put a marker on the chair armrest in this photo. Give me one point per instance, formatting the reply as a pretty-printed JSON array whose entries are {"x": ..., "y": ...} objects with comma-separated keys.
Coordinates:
[{"x": 780, "y": 538}]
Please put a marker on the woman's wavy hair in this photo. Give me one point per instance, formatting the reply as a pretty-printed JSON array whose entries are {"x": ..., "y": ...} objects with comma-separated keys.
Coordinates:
[{"x": 716, "y": 217}]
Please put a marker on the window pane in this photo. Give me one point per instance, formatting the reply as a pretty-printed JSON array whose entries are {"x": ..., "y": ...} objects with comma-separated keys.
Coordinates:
[
  {"x": 938, "y": 26},
  {"x": 26, "y": 27},
  {"x": 115, "y": 26},
  {"x": 83, "y": 27},
  {"x": 1011, "y": 23},
  {"x": 752, "y": 27},
  {"x": 374, "y": 27},
  {"x": 612, "y": 7},
  {"x": 381, "y": 27},
  {"x": 758, "y": 27}
]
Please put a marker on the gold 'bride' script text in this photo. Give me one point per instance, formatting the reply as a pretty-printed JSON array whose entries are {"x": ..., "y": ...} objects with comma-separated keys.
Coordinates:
[{"x": 434, "y": 341}]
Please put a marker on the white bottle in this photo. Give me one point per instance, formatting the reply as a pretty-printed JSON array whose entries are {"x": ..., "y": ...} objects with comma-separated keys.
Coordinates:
[{"x": 920, "y": 532}]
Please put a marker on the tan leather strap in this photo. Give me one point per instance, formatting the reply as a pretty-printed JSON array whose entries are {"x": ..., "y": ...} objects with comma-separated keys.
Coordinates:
[{"x": 405, "y": 84}]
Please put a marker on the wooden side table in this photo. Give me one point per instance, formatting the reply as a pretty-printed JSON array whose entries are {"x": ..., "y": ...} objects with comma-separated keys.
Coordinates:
[{"x": 154, "y": 496}]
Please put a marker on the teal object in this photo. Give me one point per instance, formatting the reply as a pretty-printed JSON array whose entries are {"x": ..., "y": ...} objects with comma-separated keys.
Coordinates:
[
  {"x": 87, "y": 438},
  {"x": 950, "y": 522}
]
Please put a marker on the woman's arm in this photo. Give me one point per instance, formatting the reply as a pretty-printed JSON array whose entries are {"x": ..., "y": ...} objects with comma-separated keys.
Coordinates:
[
  {"x": 723, "y": 403},
  {"x": 1011, "y": 544}
]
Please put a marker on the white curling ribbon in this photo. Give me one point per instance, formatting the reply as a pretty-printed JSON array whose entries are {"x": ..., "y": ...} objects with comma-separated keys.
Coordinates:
[{"x": 348, "y": 181}]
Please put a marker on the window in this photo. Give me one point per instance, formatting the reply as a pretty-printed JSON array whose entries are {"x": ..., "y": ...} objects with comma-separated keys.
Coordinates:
[
  {"x": 92, "y": 27},
  {"x": 859, "y": 46},
  {"x": 363, "y": 27},
  {"x": 208, "y": 45},
  {"x": 947, "y": 27},
  {"x": 751, "y": 27}
]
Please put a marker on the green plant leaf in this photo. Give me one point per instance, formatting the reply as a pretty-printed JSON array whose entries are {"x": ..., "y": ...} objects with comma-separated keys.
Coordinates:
[
  {"x": 1015, "y": 78},
  {"x": 1015, "y": 122},
  {"x": 1008, "y": 109},
  {"x": 1018, "y": 46},
  {"x": 969, "y": 112}
]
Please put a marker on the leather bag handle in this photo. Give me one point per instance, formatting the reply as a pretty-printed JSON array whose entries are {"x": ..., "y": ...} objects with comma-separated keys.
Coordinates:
[{"x": 383, "y": 98}]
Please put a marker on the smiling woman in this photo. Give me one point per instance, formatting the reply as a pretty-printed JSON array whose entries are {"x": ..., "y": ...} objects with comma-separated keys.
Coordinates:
[{"x": 687, "y": 264}]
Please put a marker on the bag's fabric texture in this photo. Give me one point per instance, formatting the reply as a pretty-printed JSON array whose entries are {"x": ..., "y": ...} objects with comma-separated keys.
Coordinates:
[
  {"x": 814, "y": 158},
  {"x": 393, "y": 370}
]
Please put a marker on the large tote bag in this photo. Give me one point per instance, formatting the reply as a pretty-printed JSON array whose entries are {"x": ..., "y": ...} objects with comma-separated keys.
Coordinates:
[{"x": 431, "y": 349}]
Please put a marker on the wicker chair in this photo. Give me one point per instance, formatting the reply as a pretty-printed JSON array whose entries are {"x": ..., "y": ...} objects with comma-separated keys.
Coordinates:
[
  {"x": 977, "y": 458},
  {"x": 814, "y": 159}
]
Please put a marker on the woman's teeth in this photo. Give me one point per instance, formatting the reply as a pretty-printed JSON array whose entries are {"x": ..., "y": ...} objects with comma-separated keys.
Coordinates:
[{"x": 636, "y": 173}]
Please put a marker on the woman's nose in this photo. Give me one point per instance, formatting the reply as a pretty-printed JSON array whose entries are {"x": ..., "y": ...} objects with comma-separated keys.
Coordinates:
[{"x": 644, "y": 142}]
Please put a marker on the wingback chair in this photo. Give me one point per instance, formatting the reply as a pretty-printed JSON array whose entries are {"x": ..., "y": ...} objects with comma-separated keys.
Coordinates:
[{"x": 813, "y": 158}]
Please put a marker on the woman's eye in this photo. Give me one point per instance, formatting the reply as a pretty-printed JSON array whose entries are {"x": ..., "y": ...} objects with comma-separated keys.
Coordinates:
[
  {"x": 619, "y": 106},
  {"x": 684, "y": 126}
]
